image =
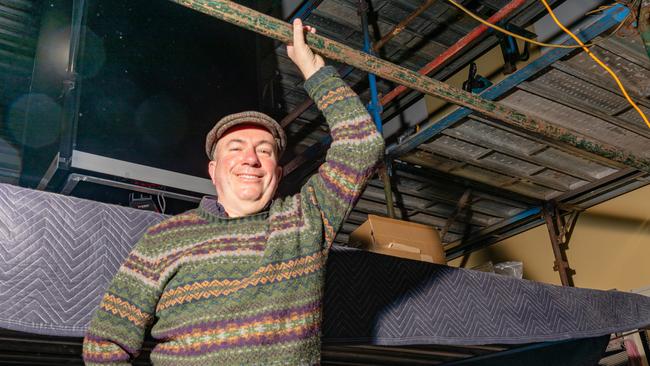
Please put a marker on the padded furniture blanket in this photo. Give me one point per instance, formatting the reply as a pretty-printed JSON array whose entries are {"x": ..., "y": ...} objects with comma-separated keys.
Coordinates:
[{"x": 58, "y": 253}]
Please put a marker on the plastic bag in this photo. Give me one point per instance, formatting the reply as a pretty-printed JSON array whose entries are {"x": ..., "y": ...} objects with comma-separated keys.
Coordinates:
[{"x": 512, "y": 269}]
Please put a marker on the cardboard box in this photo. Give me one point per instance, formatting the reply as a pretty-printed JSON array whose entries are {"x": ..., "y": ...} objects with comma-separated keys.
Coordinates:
[{"x": 399, "y": 238}]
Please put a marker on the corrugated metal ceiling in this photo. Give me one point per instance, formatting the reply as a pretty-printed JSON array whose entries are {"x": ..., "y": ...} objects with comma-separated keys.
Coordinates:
[{"x": 510, "y": 172}]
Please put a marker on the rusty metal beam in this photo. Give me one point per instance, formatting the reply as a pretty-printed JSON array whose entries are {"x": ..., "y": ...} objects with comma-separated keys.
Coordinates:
[
  {"x": 402, "y": 25},
  {"x": 560, "y": 227},
  {"x": 388, "y": 190},
  {"x": 282, "y": 31},
  {"x": 460, "y": 207}
]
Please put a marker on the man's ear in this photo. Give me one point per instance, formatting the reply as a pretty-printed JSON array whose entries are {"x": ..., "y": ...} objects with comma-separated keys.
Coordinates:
[
  {"x": 278, "y": 171},
  {"x": 212, "y": 170}
]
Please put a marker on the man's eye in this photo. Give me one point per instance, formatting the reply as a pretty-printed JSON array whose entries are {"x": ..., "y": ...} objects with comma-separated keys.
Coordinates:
[{"x": 265, "y": 151}]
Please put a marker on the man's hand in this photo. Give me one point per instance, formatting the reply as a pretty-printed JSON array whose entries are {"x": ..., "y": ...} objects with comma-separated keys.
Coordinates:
[{"x": 307, "y": 61}]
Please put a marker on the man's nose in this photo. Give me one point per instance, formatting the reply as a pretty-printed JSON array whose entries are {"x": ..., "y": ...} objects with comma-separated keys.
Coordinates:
[{"x": 250, "y": 157}]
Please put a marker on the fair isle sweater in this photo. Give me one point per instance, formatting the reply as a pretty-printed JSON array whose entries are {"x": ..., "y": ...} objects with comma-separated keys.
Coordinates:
[{"x": 248, "y": 290}]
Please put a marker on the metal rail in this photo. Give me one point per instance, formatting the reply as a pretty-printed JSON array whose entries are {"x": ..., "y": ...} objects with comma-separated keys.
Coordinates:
[{"x": 281, "y": 31}]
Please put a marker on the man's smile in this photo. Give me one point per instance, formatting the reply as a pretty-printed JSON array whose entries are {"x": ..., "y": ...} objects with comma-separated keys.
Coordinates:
[{"x": 248, "y": 177}]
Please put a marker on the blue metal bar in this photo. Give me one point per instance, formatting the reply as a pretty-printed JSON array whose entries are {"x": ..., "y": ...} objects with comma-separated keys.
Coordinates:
[
  {"x": 305, "y": 9},
  {"x": 468, "y": 245},
  {"x": 373, "y": 107},
  {"x": 607, "y": 20}
]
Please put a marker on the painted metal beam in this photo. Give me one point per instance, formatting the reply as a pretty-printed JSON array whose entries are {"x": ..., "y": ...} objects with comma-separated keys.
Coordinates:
[
  {"x": 404, "y": 23},
  {"x": 497, "y": 90},
  {"x": 610, "y": 18},
  {"x": 282, "y": 31},
  {"x": 261, "y": 23}
]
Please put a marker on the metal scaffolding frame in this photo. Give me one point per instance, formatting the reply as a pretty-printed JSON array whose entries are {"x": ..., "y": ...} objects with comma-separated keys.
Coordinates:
[{"x": 483, "y": 104}]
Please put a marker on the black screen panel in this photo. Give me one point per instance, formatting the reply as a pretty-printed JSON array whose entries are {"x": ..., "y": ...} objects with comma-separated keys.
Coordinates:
[{"x": 155, "y": 77}]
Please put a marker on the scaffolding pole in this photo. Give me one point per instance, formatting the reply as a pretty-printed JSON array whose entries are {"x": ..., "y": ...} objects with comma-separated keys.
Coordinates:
[{"x": 277, "y": 29}]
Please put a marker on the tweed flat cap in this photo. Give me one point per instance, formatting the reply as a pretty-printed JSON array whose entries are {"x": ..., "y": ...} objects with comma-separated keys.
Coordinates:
[{"x": 249, "y": 117}]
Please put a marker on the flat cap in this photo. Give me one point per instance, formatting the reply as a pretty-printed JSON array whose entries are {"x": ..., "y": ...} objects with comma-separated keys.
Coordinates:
[{"x": 248, "y": 117}]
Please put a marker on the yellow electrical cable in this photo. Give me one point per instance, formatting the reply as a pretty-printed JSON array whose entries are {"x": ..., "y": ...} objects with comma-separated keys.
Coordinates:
[
  {"x": 494, "y": 26},
  {"x": 618, "y": 82},
  {"x": 599, "y": 9}
]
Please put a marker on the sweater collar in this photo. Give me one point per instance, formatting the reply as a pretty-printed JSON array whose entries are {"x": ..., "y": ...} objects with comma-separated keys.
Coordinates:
[
  {"x": 211, "y": 209},
  {"x": 212, "y": 206}
]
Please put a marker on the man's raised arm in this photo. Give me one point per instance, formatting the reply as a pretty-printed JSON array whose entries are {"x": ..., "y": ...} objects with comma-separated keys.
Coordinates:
[{"x": 356, "y": 145}]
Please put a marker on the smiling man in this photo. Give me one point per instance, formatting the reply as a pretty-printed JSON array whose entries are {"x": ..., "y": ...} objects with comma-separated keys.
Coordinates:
[
  {"x": 245, "y": 170},
  {"x": 239, "y": 280}
]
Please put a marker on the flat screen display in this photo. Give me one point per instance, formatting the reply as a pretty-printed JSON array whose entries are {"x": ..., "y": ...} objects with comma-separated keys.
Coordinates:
[{"x": 155, "y": 77}]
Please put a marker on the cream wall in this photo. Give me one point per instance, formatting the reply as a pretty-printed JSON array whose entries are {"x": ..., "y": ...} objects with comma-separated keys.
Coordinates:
[{"x": 610, "y": 247}]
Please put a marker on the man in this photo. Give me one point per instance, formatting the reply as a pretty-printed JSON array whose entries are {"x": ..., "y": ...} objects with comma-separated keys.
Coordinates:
[{"x": 239, "y": 280}]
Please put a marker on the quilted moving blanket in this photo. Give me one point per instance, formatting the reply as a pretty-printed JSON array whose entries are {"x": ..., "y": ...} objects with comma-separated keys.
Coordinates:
[{"x": 58, "y": 253}]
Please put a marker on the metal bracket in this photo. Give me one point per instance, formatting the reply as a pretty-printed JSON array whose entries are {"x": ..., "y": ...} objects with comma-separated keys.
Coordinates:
[
  {"x": 560, "y": 222},
  {"x": 510, "y": 50},
  {"x": 384, "y": 174},
  {"x": 460, "y": 207}
]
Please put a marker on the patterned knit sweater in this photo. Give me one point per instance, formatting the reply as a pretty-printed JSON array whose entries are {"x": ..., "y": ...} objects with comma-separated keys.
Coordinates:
[{"x": 241, "y": 291}]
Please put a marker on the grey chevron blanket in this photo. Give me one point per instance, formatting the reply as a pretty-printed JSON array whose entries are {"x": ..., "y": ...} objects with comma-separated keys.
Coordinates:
[{"x": 58, "y": 253}]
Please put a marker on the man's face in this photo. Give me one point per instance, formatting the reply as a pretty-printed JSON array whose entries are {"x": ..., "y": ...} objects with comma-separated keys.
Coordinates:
[{"x": 245, "y": 169}]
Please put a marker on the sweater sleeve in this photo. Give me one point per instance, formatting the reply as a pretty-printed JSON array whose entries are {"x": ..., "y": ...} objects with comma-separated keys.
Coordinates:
[
  {"x": 117, "y": 330},
  {"x": 356, "y": 148}
]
